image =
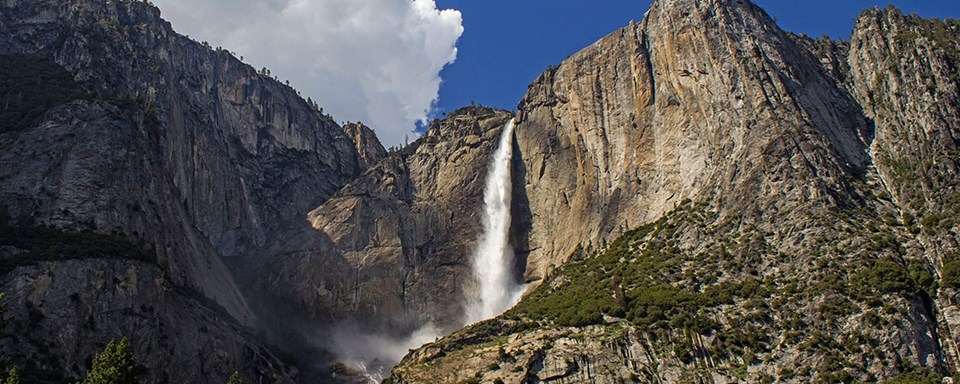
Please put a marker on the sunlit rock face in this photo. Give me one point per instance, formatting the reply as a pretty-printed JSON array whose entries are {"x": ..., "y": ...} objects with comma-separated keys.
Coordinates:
[
  {"x": 729, "y": 152},
  {"x": 699, "y": 99}
]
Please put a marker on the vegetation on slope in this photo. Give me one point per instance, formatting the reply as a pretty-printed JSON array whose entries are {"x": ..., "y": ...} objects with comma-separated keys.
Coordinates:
[
  {"x": 731, "y": 299},
  {"x": 29, "y": 86},
  {"x": 42, "y": 243}
]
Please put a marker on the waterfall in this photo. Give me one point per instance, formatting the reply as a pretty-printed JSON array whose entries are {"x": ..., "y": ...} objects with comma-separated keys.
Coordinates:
[
  {"x": 493, "y": 264},
  {"x": 493, "y": 268}
]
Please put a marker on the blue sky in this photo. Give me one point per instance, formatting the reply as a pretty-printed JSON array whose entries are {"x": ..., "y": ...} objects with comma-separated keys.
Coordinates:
[{"x": 507, "y": 43}]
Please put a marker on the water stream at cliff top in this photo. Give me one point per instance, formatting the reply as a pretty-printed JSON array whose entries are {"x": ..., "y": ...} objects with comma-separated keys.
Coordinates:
[{"x": 493, "y": 264}]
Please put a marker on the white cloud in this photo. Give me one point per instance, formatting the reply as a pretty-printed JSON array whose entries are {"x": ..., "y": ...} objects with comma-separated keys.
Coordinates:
[{"x": 376, "y": 61}]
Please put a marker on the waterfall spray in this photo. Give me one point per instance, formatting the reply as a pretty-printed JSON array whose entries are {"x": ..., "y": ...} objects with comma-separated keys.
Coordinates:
[{"x": 493, "y": 260}]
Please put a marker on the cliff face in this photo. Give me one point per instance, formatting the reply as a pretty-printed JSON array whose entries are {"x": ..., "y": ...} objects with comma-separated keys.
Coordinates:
[
  {"x": 905, "y": 71},
  {"x": 697, "y": 197},
  {"x": 176, "y": 147},
  {"x": 366, "y": 142},
  {"x": 699, "y": 100},
  {"x": 727, "y": 202},
  {"x": 392, "y": 249}
]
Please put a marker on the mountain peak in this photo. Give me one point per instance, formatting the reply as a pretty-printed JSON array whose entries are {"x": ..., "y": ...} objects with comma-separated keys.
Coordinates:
[{"x": 712, "y": 14}]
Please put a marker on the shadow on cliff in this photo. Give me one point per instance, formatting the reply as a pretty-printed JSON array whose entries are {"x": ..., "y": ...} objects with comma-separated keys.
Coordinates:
[
  {"x": 289, "y": 328},
  {"x": 521, "y": 223}
]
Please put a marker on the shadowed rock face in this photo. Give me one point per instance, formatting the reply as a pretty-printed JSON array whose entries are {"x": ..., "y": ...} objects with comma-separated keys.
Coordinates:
[
  {"x": 822, "y": 171},
  {"x": 178, "y": 147},
  {"x": 392, "y": 249}
]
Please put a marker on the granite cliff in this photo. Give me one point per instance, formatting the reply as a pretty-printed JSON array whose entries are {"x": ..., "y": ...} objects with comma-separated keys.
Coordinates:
[
  {"x": 716, "y": 200},
  {"x": 181, "y": 150},
  {"x": 698, "y": 197}
]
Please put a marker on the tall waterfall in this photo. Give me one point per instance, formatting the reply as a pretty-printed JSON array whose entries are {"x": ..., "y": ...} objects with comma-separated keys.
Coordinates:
[{"x": 493, "y": 264}]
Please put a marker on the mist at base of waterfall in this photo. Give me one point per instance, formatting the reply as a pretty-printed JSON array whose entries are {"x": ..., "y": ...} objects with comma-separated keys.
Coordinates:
[{"x": 374, "y": 355}]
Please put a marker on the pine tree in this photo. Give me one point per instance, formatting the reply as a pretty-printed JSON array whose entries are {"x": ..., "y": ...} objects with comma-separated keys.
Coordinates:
[
  {"x": 13, "y": 377},
  {"x": 115, "y": 365},
  {"x": 235, "y": 378}
]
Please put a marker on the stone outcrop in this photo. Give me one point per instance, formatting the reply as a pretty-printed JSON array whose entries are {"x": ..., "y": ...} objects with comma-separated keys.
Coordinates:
[
  {"x": 366, "y": 142},
  {"x": 904, "y": 70}
]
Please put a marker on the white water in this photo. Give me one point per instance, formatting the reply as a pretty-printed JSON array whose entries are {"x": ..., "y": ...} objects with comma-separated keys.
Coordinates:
[
  {"x": 493, "y": 267},
  {"x": 493, "y": 264},
  {"x": 374, "y": 355}
]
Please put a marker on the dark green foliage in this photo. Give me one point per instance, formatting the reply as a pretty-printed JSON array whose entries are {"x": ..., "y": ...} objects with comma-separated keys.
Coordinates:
[
  {"x": 886, "y": 277},
  {"x": 915, "y": 375},
  {"x": 13, "y": 377},
  {"x": 235, "y": 378},
  {"x": 923, "y": 278},
  {"x": 50, "y": 244},
  {"x": 115, "y": 365},
  {"x": 951, "y": 273},
  {"x": 631, "y": 279},
  {"x": 29, "y": 86}
]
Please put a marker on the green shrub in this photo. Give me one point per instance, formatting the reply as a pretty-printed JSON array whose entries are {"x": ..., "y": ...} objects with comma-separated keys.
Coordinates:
[
  {"x": 951, "y": 273},
  {"x": 13, "y": 377},
  {"x": 886, "y": 277},
  {"x": 917, "y": 375},
  {"x": 235, "y": 378},
  {"x": 115, "y": 365}
]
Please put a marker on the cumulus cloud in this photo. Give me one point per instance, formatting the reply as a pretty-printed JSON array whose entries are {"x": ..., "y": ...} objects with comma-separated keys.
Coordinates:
[{"x": 376, "y": 61}]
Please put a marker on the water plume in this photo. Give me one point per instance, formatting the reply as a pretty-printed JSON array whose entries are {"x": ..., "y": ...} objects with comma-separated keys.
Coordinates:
[{"x": 493, "y": 261}]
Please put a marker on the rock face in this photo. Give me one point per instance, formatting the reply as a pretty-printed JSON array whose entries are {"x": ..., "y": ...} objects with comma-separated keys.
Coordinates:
[
  {"x": 904, "y": 70},
  {"x": 715, "y": 200},
  {"x": 698, "y": 197},
  {"x": 625, "y": 129},
  {"x": 177, "y": 147},
  {"x": 392, "y": 249},
  {"x": 366, "y": 142},
  {"x": 59, "y": 314}
]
